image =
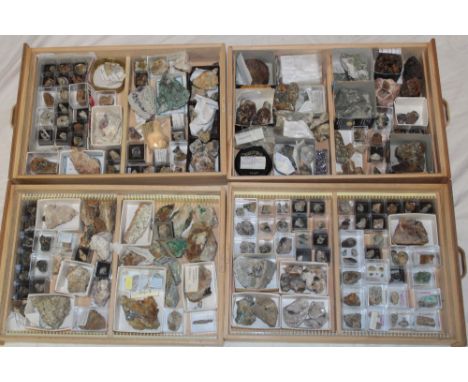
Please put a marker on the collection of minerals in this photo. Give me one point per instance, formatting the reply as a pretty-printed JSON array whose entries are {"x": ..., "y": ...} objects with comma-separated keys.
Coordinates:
[
  {"x": 74, "y": 272},
  {"x": 78, "y": 123},
  {"x": 389, "y": 259},
  {"x": 282, "y": 126},
  {"x": 281, "y": 263}
]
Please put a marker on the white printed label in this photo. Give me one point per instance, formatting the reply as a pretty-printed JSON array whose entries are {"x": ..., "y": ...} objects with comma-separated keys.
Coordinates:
[
  {"x": 249, "y": 136},
  {"x": 145, "y": 293},
  {"x": 160, "y": 156},
  {"x": 253, "y": 163},
  {"x": 390, "y": 50},
  {"x": 191, "y": 279}
]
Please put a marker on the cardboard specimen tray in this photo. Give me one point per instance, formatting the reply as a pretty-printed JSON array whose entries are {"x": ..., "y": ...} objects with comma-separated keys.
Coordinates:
[
  {"x": 92, "y": 264},
  {"x": 328, "y": 263},
  {"x": 120, "y": 114},
  {"x": 336, "y": 112}
]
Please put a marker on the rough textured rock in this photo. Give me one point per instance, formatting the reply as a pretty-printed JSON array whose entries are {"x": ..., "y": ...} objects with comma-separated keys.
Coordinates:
[
  {"x": 258, "y": 70},
  {"x": 352, "y": 299},
  {"x": 351, "y": 277},
  {"x": 317, "y": 315},
  {"x": 207, "y": 80},
  {"x": 83, "y": 163},
  {"x": 172, "y": 95},
  {"x": 204, "y": 285},
  {"x": 40, "y": 165},
  {"x": 78, "y": 279},
  {"x": 100, "y": 243},
  {"x": 286, "y": 96},
  {"x": 95, "y": 321},
  {"x": 296, "y": 312},
  {"x": 386, "y": 90},
  {"x": 411, "y": 157},
  {"x": 181, "y": 219},
  {"x": 141, "y": 314},
  {"x": 202, "y": 243},
  {"x": 140, "y": 222},
  {"x": 101, "y": 291},
  {"x": 266, "y": 310},
  {"x": 55, "y": 215},
  {"x": 53, "y": 309},
  {"x": 245, "y": 312},
  {"x": 245, "y": 112},
  {"x": 353, "y": 320},
  {"x": 253, "y": 272},
  {"x": 410, "y": 232},
  {"x": 174, "y": 320},
  {"x": 301, "y": 278}
]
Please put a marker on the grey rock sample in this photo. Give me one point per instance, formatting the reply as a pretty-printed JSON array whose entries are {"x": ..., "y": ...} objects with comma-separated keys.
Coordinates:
[{"x": 254, "y": 273}]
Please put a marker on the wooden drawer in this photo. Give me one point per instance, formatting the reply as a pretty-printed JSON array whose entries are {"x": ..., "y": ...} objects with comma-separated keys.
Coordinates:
[
  {"x": 23, "y": 115},
  {"x": 239, "y": 318},
  {"x": 209, "y": 198},
  {"x": 436, "y": 138}
]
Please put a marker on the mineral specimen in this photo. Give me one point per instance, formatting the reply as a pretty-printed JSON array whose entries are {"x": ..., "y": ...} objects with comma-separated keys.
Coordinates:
[
  {"x": 399, "y": 257},
  {"x": 413, "y": 69},
  {"x": 411, "y": 88},
  {"x": 95, "y": 321},
  {"x": 109, "y": 75},
  {"x": 245, "y": 228},
  {"x": 349, "y": 242},
  {"x": 429, "y": 301},
  {"x": 353, "y": 103},
  {"x": 83, "y": 163},
  {"x": 55, "y": 215},
  {"x": 317, "y": 315},
  {"x": 286, "y": 97},
  {"x": 351, "y": 277},
  {"x": 410, "y": 232},
  {"x": 355, "y": 66},
  {"x": 107, "y": 214},
  {"x": 296, "y": 312},
  {"x": 101, "y": 291},
  {"x": 258, "y": 70},
  {"x": 301, "y": 278},
  {"x": 395, "y": 298},
  {"x": 53, "y": 309},
  {"x": 408, "y": 119},
  {"x": 263, "y": 115},
  {"x": 375, "y": 295},
  {"x": 266, "y": 310},
  {"x": 254, "y": 273},
  {"x": 202, "y": 243},
  {"x": 48, "y": 99},
  {"x": 388, "y": 64},
  {"x": 386, "y": 90},
  {"x": 425, "y": 321},
  {"x": 246, "y": 112},
  {"x": 139, "y": 224},
  {"x": 204, "y": 285},
  {"x": 284, "y": 246},
  {"x": 352, "y": 299},
  {"x": 78, "y": 278},
  {"x": 142, "y": 101},
  {"x": 207, "y": 80},
  {"x": 45, "y": 243},
  {"x": 182, "y": 219},
  {"x": 41, "y": 165},
  {"x": 100, "y": 243},
  {"x": 411, "y": 157},
  {"x": 422, "y": 277},
  {"x": 172, "y": 95},
  {"x": 174, "y": 321},
  {"x": 141, "y": 314},
  {"x": 353, "y": 320},
  {"x": 131, "y": 258},
  {"x": 245, "y": 311}
]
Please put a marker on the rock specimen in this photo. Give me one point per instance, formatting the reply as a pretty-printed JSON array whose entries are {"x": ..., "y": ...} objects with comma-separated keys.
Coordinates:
[
  {"x": 101, "y": 291},
  {"x": 411, "y": 88},
  {"x": 286, "y": 97},
  {"x": 131, "y": 258},
  {"x": 95, "y": 321},
  {"x": 351, "y": 277},
  {"x": 40, "y": 165},
  {"x": 53, "y": 309},
  {"x": 410, "y": 232},
  {"x": 296, "y": 312},
  {"x": 303, "y": 278},
  {"x": 55, "y": 215},
  {"x": 245, "y": 312},
  {"x": 172, "y": 95},
  {"x": 263, "y": 115},
  {"x": 317, "y": 315},
  {"x": 409, "y": 118},
  {"x": 45, "y": 243},
  {"x": 399, "y": 258},
  {"x": 142, "y": 101},
  {"x": 352, "y": 299},
  {"x": 83, "y": 163},
  {"x": 353, "y": 103},
  {"x": 413, "y": 75},
  {"x": 174, "y": 321},
  {"x": 204, "y": 285},
  {"x": 100, "y": 243},
  {"x": 284, "y": 246},
  {"x": 353, "y": 320},
  {"x": 386, "y": 90},
  {"x": 246, "y": 112},
  {"x": 349, "y": 242},
  {"x": 355, "y": 66},
  {"x": 139, "y": 224},
  {"x": 78, "y": 278},
  {"x": 141, "y": 314},
  {"x": 201, "y": 242},
  {"x": 254, "y": 273},
  {"x": 388, "y": 65},
  {"x": 245, "y": 228},
  {"x": 375, "y": 295},
  {"x": 429, "y": 301},
  {"x": 266, "y": 310},
  {"x": 258, "y": 71},
  {"x": 207, "y": 80},
  {"x": 411, "y": 157},
  {"x": 425, "y": 321},
  {"x": 181, "y": 219}
]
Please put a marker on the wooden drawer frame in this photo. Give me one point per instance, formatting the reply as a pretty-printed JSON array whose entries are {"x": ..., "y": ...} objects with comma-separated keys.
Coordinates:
[
  {"x": 451, "y": 315},
  {"x": 435, "y": 108},
  {"x": 7, "y": 262},
  {"x": 202, "y": 54}
]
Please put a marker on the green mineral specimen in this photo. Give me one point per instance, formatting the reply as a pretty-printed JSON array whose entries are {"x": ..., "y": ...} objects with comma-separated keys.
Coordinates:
[
  {"x": 428, "y": 301},
  {"x": 422, "y": 277},
  {"x": 172, "y": 95},
  {"x": 177, "y": 247}
]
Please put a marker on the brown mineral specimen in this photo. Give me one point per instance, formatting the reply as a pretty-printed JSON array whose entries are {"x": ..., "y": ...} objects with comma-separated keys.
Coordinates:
[
  {"x": 352, "y": 299},
  {"x": 95, "y": 321},
  {"x": 207, "y": 80},
  {"x": 78, "y": 279},
  {"x": 410, "y": 232},
  {"x": 106, "y": 100},
  {"x": 263, "y": 115},
  {"x": 388, "y": 63},
  {"x": 131, "y": 258},
  {"x": 107, "y": 214},
  {"x": 48, "y": 99},
  {"x": 141, "y": 314},
  {"x": 425, "y": 321},
  {"x": 266, "y": 310},
  {"x": 202, "y": 243},
  {"x": 286, "y": 96},
  {"x": 204, "y": 285},
  {"x": 386, "y": 90},
  {"x": 411, "y": 88},
  {"x": 83, "y": 163},
  {"x": 40, "y": 165},
  {"x": 353, "y": 320},
  {"x": 413, "y": 69},
  {"x": 258, "y": 70},
  {"x": 376, "y": 139},
  {"x": 53, "y": 309},
  {"x": 245, "y": 112},
  {"x": 411, "y": 157},
  {"x": 55, "y": 215}
]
